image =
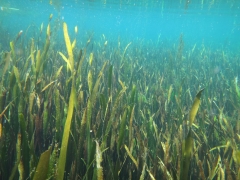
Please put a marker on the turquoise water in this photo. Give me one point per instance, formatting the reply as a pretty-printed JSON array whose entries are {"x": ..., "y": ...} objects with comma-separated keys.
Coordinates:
[{"x": 212, "y": 23}]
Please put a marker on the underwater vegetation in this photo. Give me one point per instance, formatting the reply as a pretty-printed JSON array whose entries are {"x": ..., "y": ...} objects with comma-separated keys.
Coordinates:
[{"x": 125, "y": 110}]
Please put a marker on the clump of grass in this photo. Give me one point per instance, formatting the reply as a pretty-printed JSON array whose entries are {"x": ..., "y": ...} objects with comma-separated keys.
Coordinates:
[{"x": 117, "y": 112}]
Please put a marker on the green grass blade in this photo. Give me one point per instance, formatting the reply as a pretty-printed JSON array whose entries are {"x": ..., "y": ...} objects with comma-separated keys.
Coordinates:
[
  {"x": 18, "y": 156},
  {"x": 122, "y": 130},
  {"x": 110, "y": 78},
  {"x": 112, "y": 116}
]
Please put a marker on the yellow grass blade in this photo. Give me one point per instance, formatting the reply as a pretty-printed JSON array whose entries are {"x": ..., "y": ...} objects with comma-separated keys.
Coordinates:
[
  {"x": 170, "y": 93},
  {"x": 165, "y": 170},
  {"x": 17, "y": 75},
  {"x": 48, "y": 31},
  {"x": 12, "y": 46},
  {"x": 195, "y": 107},
  {"x": 236, "y": 156},
  {"x": 32, "y": 52},
  {"x": 98, "y": 162},
  {"x": 215, "y": 168},
  {"x": 18, "y": 156},
  {"x": 151, "y": 176},
  {"x": 90, "y": 83},
  {"x": 68, "y": 45},
  {"x": 3, "y": 112},
  {"x": 91, "y": 59},
  {"x": 38, "y": 61},
  {"x": 63, "y": 152},
  {"x": 74, "y": 44},
  {"x": 187, "y": 146},
  {"x": 66, "y": 60},
  {"x": 0, "y": 130},
  {"x": 42, "y": 167},
  {"x": 130, "y": 155},
  {"x": 58, "y": 72},
  {"x": 47, "y": 86},
  {"x": 124, "y": 52}
]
